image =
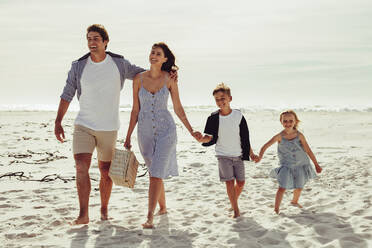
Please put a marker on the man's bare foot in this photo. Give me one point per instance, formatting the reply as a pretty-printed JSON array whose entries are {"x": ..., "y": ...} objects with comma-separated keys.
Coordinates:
[
  {"x": 80, "y": 221},
  {"x": 104, "y": 214},
  {"x": 236, "y": 213},
  {"x": 162, "y": 211},
  {"x": 296, "y": 204}
]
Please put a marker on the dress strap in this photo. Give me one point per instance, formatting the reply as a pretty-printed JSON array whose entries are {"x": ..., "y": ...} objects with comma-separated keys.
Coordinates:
[{"x": 141, "y": 80}]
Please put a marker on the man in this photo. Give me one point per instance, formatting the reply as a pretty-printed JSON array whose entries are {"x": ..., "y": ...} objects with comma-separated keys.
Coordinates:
[{"x": 98, "y": 78}]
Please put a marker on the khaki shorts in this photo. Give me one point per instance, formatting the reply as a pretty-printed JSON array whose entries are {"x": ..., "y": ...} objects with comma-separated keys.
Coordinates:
[
  {"x": 86, "y": 139},
  {"x": 231, "y": 168}
]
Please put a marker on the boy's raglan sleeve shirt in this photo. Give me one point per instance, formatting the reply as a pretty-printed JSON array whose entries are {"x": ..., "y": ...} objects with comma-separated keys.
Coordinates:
[
  {"x": 211, "y": 129},
  {"x": 244, "y": 138}
]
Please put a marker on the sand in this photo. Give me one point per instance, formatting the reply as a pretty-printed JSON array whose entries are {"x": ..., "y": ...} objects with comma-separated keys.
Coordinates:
[{"x": 336, "y": 206}]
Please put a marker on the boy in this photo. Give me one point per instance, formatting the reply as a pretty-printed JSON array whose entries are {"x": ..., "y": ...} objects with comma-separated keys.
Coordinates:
[{"x": 227, "y": 128}]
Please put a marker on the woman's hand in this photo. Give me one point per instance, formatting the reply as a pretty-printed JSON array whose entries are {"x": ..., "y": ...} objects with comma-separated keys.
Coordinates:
[{"x": 127, "y": 144}]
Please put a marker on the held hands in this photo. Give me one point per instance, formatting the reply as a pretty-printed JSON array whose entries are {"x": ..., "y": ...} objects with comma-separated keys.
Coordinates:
[
  {"x": 59, "y": 132},
  {"x": 197, "y": 135},
  {"x": 255, "y": 158}
]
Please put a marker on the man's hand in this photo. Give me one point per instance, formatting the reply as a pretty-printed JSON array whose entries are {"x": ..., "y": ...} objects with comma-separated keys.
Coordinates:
[
  {"x": 59, "y": 132},
  {"x": 174, "y": 76}
]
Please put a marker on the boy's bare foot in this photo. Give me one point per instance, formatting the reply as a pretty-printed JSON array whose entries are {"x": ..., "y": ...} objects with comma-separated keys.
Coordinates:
[
  {"x": 162, "y": 211},
  {"x": 296, "y": 204},
  {"x": 104, "y": 214},
  {"x": 80, "y": 221}
]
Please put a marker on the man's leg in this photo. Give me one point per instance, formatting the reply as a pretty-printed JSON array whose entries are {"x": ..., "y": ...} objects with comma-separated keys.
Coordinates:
[
  {"x": 82, "y": 161},
  {"x": 106, "y": 141},
  {"x": 230, "y": 188},
  {"x": 105, "y": 187}
]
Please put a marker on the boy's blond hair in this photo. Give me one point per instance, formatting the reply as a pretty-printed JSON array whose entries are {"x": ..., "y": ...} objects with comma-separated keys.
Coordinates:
[
  {"x": 222, "y": 88},
  {"x": 290, "y": 112}
]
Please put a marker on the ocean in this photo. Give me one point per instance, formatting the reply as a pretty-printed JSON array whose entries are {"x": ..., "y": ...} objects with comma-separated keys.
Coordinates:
[{"x": 309, "y": 55}]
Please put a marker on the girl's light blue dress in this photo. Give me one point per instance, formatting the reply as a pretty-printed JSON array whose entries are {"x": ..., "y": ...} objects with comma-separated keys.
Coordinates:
[
  {"x": 157, "y": 137},
  {"x": 295, "y": 168}
]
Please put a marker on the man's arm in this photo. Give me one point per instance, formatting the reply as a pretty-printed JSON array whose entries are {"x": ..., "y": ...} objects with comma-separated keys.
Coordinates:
[
  {"x": 131, "y": 70},
  {"x": 58, "y": 129}
]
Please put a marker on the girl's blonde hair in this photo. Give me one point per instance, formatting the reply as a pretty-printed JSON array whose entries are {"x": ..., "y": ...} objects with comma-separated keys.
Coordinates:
[{"x": 290, "y": 112}]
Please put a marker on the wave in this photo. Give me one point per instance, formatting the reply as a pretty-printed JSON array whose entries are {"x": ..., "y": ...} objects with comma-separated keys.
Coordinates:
[{"x": 199, "y": 108}]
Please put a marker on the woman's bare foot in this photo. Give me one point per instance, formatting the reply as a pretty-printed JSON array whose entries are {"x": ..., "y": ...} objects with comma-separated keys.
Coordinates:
[
  {"x": 148, "y": 224},
  {"x": 80, "y": 221},
  {"x": 162, "y": 211},
  {"x": 296, "y": 204}
]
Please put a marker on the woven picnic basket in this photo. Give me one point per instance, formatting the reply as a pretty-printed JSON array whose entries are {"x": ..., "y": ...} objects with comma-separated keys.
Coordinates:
[{"x": 123, "y": 169}]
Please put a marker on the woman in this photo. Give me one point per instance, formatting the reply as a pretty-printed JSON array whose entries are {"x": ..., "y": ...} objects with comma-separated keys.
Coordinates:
[{"x": 157, "y": 136}]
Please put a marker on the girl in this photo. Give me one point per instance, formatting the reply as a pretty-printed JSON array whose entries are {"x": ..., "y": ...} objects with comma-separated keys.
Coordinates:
[
  {"x": 295, "y": 168},
  {"x": 156, "y": 131}
]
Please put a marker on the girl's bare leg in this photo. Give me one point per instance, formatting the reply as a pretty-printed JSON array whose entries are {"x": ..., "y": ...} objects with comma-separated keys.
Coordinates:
[
  {"x": 278, "y": 199},
  {"x": 296, "y": 196}
]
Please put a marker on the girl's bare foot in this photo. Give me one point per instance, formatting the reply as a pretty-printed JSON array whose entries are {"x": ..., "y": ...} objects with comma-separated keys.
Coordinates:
[
  {"x": 80, "y": 221},
  {"x": 296, "y": 204}
]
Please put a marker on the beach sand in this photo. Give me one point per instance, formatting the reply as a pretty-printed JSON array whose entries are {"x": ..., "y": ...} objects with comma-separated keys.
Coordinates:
[{"x": 336, "y": 206}]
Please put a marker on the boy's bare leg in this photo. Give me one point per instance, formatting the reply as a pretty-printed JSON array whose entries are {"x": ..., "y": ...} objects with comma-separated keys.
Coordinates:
[
  {"x": 230, "y": 188},
  {"x": 82, "y": 161},
  {"x": 239, "y": 188},
  {"x": 105, "y": 187},
  {"x": 296, "y": 196},
  {"x": 278, "y": 199},
  {"x": 161, "y": 201},
  {"x": 154, "y": 194}
]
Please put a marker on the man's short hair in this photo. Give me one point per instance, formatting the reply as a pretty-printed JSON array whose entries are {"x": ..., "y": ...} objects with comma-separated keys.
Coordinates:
[
  {"x": 99, "y": 29},
  {"x": 222, "y": 88}
]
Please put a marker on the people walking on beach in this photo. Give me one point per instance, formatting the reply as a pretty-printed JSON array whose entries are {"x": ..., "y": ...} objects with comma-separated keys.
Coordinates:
[
  {"x": 97, "y": 77},
  {"x": 157, "y": 137},
  {"x": 293, "y": 152},
  {"x": 227, "y": 128}
]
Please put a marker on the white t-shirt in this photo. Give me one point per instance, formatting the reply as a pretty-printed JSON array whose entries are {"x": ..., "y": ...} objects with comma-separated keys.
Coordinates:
[
  {"x": 100, "y": 96},
  {"x": 228, "y": 143}
]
